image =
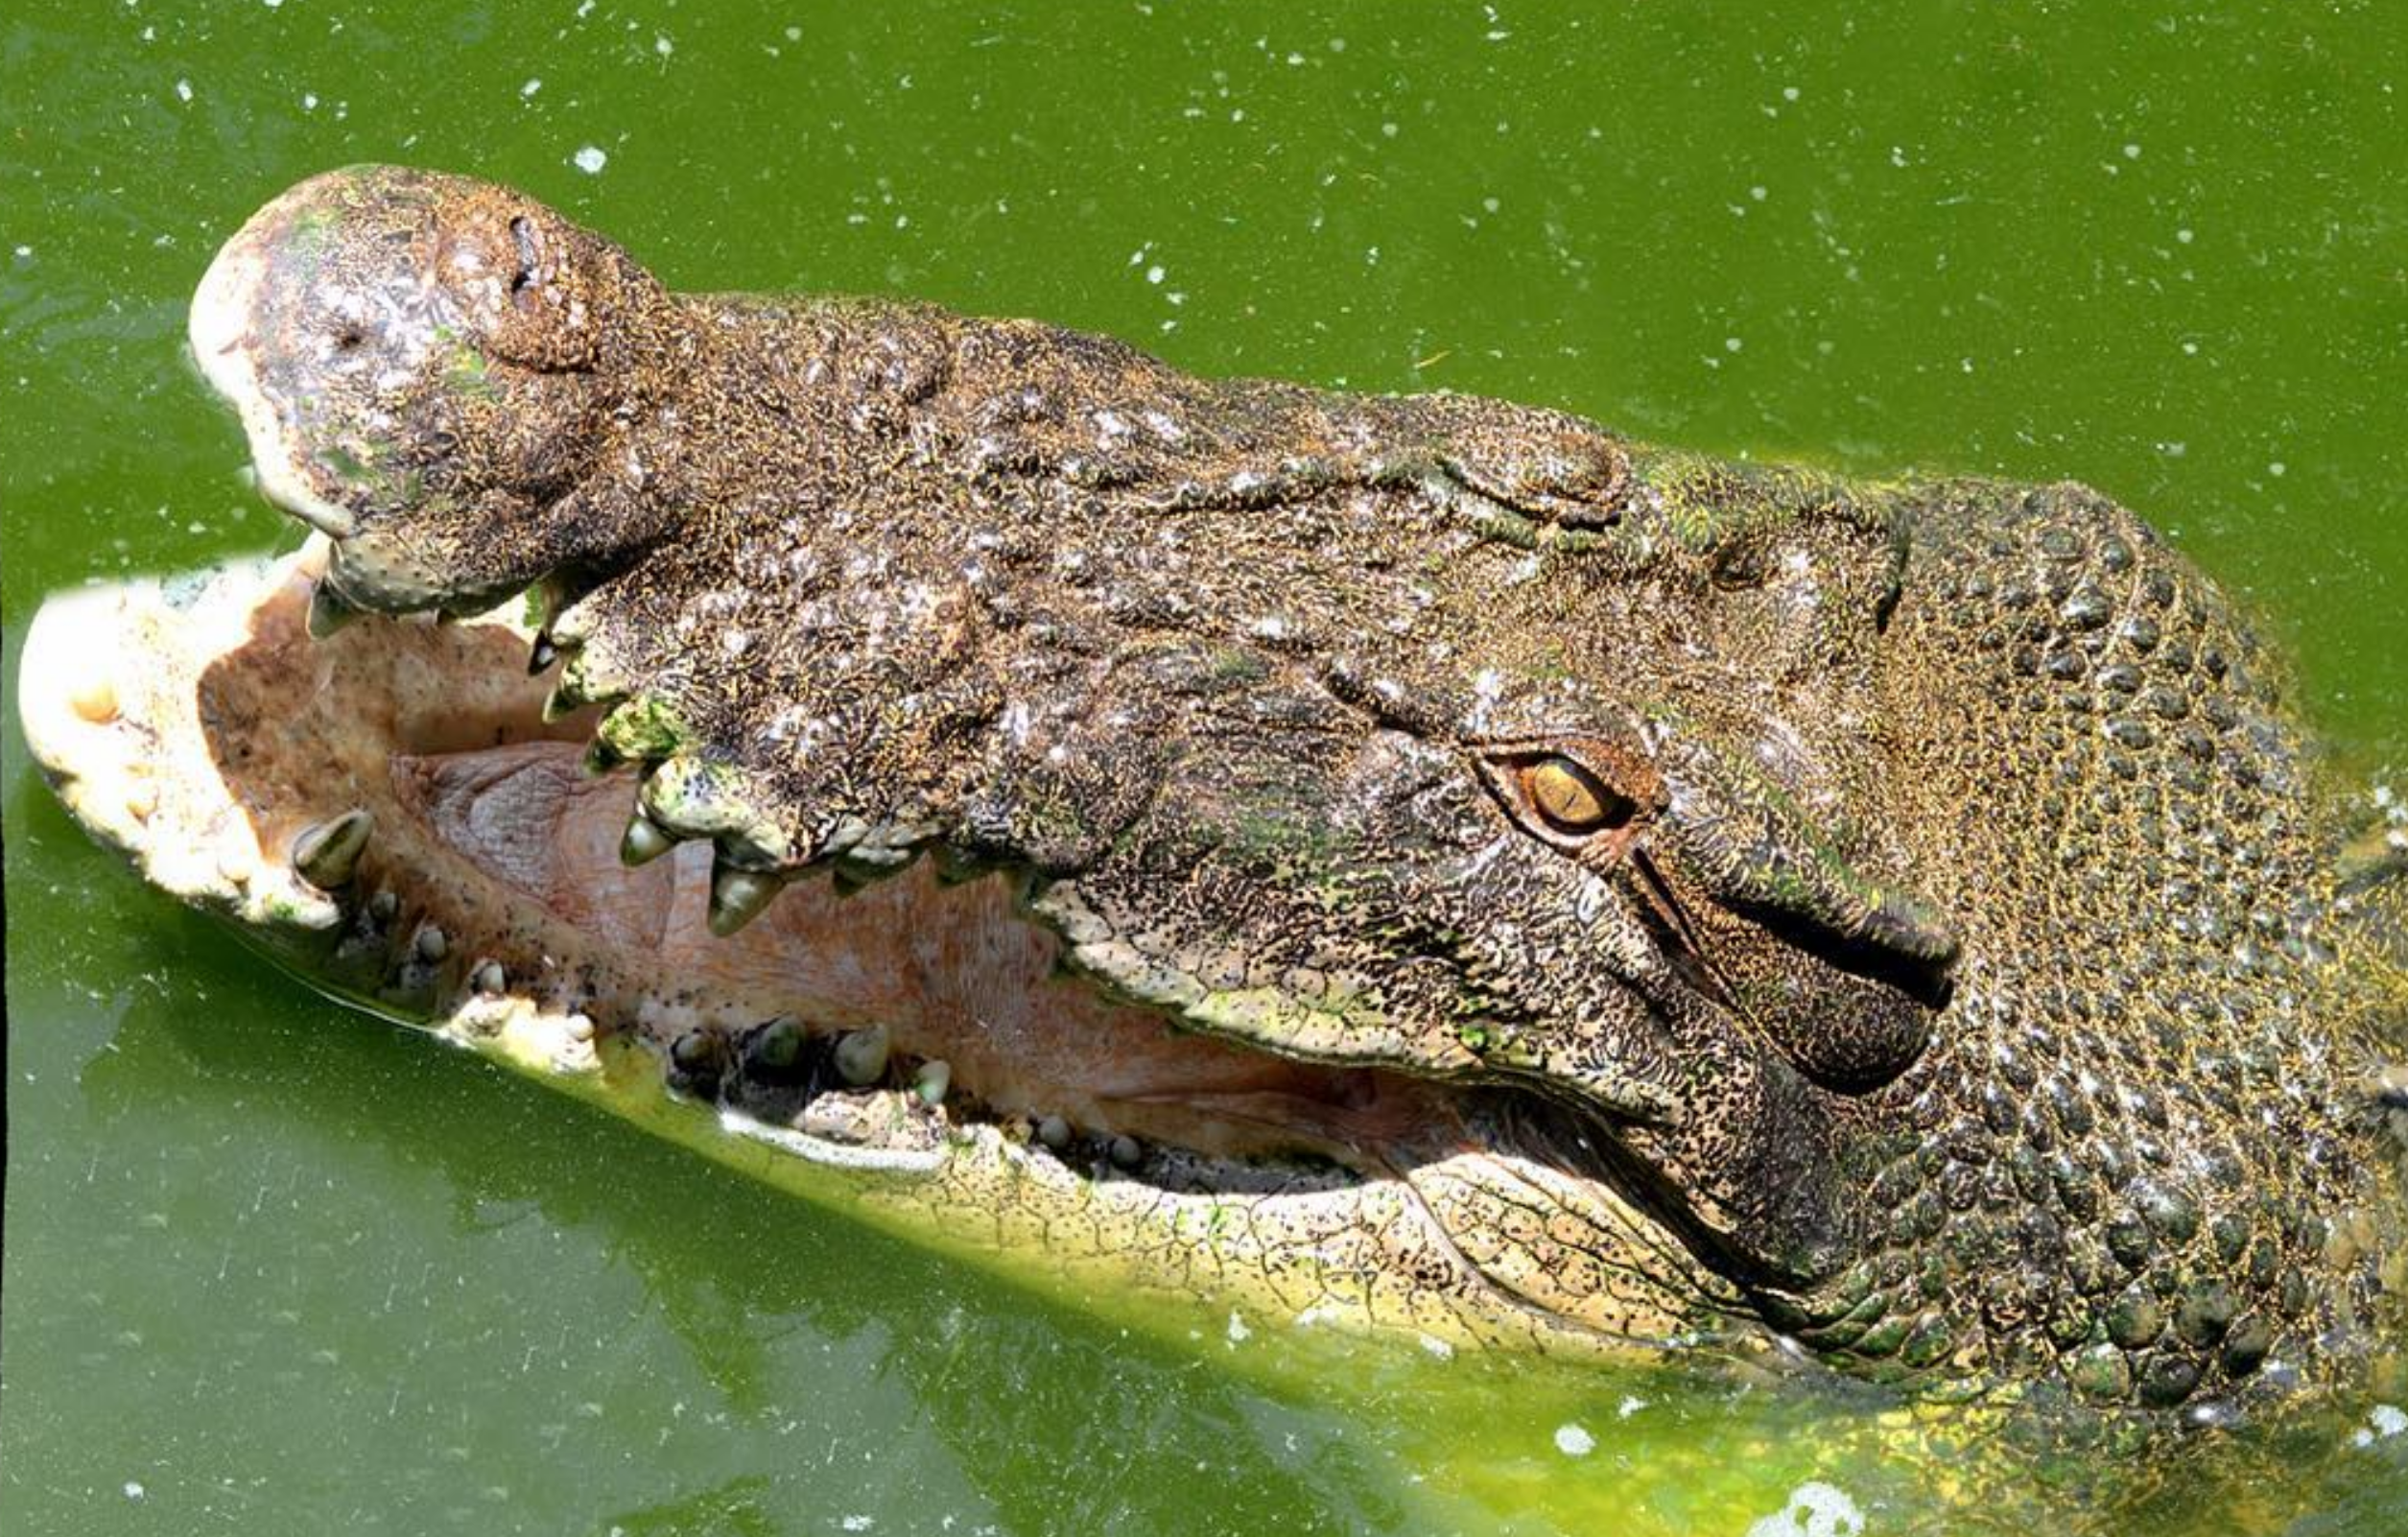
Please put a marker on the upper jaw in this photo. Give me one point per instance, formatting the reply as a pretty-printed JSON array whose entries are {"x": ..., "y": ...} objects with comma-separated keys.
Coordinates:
[{"x": 222, "y": 332}]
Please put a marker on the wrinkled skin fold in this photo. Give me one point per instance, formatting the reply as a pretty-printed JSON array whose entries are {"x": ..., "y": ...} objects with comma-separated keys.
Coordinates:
[{"x": 1420, "y": 861}]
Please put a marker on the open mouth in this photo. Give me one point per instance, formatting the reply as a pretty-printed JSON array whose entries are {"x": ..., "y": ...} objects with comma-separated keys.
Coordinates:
[{"x": 389, "y": 812}]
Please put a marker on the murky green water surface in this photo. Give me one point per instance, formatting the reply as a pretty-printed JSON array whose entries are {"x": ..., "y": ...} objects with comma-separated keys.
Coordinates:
[{"x": 271, "y": 1268}]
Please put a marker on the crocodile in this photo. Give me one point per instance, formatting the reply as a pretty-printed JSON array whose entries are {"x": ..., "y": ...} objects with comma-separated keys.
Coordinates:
[{"x": 1420, "y": 863}]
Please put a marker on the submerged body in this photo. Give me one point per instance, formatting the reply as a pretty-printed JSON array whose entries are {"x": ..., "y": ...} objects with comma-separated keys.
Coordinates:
[{"x": 1420, "y": 860}]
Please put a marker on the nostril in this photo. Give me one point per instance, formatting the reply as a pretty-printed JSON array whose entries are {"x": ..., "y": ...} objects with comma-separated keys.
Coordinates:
[{"x": 530, "y": 258}]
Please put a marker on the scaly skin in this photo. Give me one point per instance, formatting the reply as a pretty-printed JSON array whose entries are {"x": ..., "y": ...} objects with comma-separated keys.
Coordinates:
[{"x": 1902, "y": 915}]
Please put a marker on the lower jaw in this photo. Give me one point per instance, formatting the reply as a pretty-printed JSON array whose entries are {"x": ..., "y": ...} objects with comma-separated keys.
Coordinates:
[{"x": 1158, "y": 1163}]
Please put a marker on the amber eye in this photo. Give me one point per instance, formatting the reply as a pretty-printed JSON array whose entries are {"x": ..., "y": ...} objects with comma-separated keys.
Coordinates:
[{"x": 1572, "y": 798}]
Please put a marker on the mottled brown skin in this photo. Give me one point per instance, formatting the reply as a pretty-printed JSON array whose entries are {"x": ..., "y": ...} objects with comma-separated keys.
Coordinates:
[{"x": 1913, "y": 897}]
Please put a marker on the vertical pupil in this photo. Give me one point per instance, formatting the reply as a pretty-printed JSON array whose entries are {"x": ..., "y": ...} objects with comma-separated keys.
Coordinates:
[{"x": 1569, "y": 796}]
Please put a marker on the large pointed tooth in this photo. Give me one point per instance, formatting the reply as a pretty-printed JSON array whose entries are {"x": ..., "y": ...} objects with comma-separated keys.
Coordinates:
[
  {"x": 774, "y": 1047},
  {"x": 328, "y": 853},
  {"x": 861, "y": 1055},
  {"x": 645, "y": 840},
  {"x": 584, "y": 680},
  {"x": 737, "y": 896},
  {"x": 329, "y": 610}
]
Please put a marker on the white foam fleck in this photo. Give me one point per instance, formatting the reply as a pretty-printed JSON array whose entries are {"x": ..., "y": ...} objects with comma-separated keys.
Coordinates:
[
  {"x": 1629, "y": 1406},
  {"x": 535, "y": 84},
  {"x": 590, "y": 161},
  {"x": 183, "y": 90},
  {"x": 1574, "y": 1440},
  {"x": 1815, "y": 1509},
  {"x": 1238, "y": 1333},
  {"x": 2382, "y": 1422}
]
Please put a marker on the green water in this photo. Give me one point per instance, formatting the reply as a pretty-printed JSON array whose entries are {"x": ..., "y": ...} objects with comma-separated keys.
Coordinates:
[{"x": 274, "y": 1268}]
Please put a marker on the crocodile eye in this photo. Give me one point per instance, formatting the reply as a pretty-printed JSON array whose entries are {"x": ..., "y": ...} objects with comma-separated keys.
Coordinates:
[{"x": 1572, "y": 798}]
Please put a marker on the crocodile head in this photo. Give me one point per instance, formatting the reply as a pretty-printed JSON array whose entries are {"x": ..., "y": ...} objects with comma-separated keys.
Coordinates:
[
  {"x": 1423, "y": 859},
  {"x": 420, "y": 362}
]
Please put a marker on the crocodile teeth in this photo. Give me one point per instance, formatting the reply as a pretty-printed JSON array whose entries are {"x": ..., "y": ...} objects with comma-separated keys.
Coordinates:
[
  {"x": 737, "y": 896},
  {"x": 327, "y": 854},
  {"x": 564, "y": 701},
  {"x": 645, "y": 840},
  {"x": 775, "y": 1047},
  {"x": 860, "y": 1057},
  {"x": 696, "y": 1060},
  {"x": 542, "y": 654},
  {"x": 329, "y": 610},
  {"x": 934, "y": 1081}
]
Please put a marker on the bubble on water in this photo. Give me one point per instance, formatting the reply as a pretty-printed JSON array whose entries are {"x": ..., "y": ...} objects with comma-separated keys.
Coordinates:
[
  {"x": 1815, "y": 1509},
  {"x": 1574, "y": 1440},
  {"x": 590, "y": 161},
  {"x": 134, "y": 1489},
  {"x": 2382, "y": 1422},
  {"x": 533, "y": 84},
  {"x": 183, "y": 90},
  {"x": 1629, "y": 1406}
]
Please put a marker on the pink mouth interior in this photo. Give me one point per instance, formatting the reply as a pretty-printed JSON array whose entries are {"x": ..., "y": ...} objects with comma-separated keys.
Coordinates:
[{"x": 487, "y": 828}]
